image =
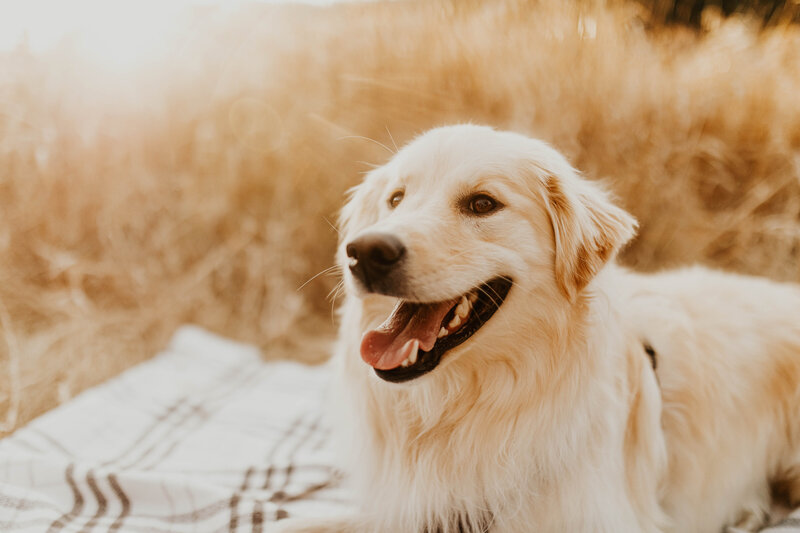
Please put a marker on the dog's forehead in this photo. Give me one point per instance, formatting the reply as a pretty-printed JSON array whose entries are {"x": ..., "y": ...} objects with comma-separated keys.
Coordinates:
[
  {"x": 463, "y": 155},
  {"x": 452, "y": 152}
]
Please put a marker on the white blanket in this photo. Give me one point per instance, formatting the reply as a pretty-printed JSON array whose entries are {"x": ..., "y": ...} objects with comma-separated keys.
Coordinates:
[{"x": 204, "y": 437}]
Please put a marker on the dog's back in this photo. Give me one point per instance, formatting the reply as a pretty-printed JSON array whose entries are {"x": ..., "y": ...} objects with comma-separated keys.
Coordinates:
[{"x": 727, "y": 351}]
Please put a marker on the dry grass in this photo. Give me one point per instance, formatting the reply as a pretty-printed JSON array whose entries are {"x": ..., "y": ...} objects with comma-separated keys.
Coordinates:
[{"x": 200, "y": 189}]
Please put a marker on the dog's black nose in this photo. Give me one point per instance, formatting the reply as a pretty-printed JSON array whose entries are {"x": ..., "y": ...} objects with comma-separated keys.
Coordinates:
[{"x": 374, "y": 255}]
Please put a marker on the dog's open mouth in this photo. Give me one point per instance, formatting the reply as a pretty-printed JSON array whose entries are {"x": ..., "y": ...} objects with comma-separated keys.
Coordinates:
[{"x": 412, "y": 341}]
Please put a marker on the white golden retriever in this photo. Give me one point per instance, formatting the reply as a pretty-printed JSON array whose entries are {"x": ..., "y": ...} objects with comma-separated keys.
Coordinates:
[{"x": 498, "y": 373}]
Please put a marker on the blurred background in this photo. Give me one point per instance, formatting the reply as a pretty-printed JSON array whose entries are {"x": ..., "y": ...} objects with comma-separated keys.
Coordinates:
[{"x": 172, "y": 162}]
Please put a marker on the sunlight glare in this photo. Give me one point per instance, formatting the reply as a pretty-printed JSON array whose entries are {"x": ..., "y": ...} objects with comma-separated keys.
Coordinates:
[{"x": 117, "y": 34}]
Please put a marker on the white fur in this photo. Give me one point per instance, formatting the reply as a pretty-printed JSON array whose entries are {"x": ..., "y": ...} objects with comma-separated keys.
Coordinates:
[{"x": 550, "y": 418}]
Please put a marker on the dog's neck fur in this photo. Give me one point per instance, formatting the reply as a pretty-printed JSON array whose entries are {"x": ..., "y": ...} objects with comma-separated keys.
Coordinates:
[{"x": 521, "y": 446}]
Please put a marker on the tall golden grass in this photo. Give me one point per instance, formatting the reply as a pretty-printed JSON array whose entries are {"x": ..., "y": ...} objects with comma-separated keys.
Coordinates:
[{"x": 202, "y": 188}]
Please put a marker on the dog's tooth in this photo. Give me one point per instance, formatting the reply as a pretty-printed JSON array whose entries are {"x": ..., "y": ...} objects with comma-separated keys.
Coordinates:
[
  {"x": 412, "y": 356},
  {"x": 473, "y": 297},
  {"x": 455, "y": 322},
  {"x": 442, "y": 333},
  {"x": 462, "y": 310}
]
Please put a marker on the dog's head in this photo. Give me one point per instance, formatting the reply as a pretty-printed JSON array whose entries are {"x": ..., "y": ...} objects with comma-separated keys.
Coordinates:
[{"x": 465, "y": 222}]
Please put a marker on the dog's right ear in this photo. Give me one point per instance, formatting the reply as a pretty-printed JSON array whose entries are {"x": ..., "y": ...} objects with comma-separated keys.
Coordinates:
[
  {"x": 362, "y": 207},
  {"x": 588, "y": 229}
]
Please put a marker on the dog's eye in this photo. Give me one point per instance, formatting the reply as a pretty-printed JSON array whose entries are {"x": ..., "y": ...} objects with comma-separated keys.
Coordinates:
[
  {"x": 395, "y": 199},
  {"x": 482, "y": 204}
]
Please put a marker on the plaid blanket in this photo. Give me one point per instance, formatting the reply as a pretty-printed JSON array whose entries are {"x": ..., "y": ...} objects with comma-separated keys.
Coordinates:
[
  {"x": 789, "y": 525},
  {"x": 204, "y": 437}
]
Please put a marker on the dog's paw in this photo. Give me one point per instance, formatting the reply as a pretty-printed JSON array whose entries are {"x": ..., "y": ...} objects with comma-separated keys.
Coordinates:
[{"x": 750, "y": 521}]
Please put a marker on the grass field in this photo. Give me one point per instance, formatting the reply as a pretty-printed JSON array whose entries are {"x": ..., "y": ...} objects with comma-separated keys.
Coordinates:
[{"x": 201, "y": 186}]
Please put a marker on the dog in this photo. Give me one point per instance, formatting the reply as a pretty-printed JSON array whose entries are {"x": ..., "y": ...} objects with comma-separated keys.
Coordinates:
[{"x": 498, "y": 372}]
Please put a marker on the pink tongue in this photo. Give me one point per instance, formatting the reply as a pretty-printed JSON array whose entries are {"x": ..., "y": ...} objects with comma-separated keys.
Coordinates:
[{"x": 392, "y": 342}]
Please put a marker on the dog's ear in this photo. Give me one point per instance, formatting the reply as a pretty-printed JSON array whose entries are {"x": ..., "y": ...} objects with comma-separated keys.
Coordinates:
[
  {"x": 589, "y": 230},
  {"x": 349, "y": 212},
  {"x": 362, "y": 206}
]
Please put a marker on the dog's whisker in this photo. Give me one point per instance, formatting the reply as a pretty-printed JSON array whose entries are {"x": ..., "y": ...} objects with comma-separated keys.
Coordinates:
[
  {"x": 336, "y": 291},
  {"x": 461, "y": 253},
  {"x": 494, "y": 302},
  {"x": 367, "y": 139},
  {"x": 318, "y": 274},
  {"x": 396, "y": 149},
  {"x": 333, "y": 226}
]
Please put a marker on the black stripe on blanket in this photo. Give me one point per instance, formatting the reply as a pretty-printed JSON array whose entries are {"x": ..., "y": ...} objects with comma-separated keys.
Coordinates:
[
  {"x": 102, "y": 503},
  {"x": 123, "y": 498},
  {"x": 225, "y": 388},
  {"x": 273, "y": 452},
  {"x": 77, "y": 505}
]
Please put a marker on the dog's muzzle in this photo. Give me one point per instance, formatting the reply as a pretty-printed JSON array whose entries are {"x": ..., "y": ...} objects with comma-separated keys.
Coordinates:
[{"x": 375, "y": 259}]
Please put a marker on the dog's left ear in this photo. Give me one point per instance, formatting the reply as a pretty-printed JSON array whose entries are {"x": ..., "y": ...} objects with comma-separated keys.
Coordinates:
[{"x": 589, "y": 230}]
